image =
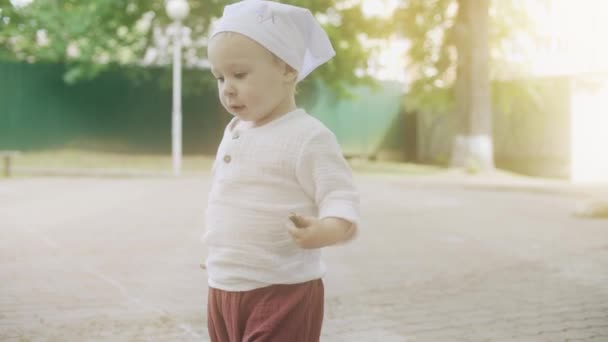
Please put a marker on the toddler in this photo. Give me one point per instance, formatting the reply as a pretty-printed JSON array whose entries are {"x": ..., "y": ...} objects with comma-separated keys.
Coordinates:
[{"x": 275, "y": 160}]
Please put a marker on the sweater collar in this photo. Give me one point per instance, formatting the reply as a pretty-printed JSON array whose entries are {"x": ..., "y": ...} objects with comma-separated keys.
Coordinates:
[{"x": 235, "y": 121}]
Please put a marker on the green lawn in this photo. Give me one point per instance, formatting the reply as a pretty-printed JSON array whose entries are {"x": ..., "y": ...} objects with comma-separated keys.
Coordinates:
[
  {"x": 70, "y": 161},
  {"x": 81, "y": 161},
  {"x": 385, "y": 167}
]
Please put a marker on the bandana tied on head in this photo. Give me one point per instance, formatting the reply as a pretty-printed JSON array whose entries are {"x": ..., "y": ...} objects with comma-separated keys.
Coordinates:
[{"x": 290, "y": 32}]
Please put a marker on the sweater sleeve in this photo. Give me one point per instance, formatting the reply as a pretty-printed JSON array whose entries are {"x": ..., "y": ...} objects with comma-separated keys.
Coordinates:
[{"x": 326, "y": 177}]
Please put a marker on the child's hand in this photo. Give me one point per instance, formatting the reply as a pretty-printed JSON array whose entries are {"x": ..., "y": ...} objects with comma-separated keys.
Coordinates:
[
  {"x": 310, "y": 232},
  {"x": 300, "y": 221},
  {"x": 306, "y": 231}
]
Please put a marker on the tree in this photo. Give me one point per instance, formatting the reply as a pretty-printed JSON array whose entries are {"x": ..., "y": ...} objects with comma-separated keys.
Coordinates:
[
  {"x": 452, "y": 65},
  {"x": 472, "y": 146},
  {"x": 93, "y": 36}
]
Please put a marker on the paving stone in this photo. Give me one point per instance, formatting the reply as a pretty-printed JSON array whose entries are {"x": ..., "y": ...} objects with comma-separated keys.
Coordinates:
[{"x": 117, "y": 260}]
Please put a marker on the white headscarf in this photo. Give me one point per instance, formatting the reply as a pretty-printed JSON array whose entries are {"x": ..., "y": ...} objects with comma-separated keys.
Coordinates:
[{"x": 290, "y": 32}]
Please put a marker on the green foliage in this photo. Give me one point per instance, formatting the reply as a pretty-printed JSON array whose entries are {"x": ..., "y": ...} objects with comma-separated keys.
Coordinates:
[
  {"x": 109, "y": 33},
  {"x": 87, "y": 36},
  {"x": 426, "y": 24},
  {"x": 429, "y": 25},
  {"x": 95, "y": 35}
]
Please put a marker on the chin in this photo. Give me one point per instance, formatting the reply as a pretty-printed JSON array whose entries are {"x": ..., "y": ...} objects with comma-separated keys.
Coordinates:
[
  {"x": 242, "y": 116},
  {"x": 238, "y": 114}
]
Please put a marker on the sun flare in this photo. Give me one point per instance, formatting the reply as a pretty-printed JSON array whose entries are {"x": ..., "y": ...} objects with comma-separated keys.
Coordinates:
[{"x": 574, "y": 31}]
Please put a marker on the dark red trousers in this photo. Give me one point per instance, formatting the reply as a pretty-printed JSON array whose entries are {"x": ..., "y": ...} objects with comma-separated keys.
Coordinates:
[{"x": 281, "y": 313}]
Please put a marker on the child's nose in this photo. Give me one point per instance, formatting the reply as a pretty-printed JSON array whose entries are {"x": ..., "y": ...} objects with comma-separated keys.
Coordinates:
[{"x": 229, "y": 90}]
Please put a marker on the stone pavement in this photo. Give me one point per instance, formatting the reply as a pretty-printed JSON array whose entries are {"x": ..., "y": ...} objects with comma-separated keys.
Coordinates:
[{"x": 442, "y": 258}]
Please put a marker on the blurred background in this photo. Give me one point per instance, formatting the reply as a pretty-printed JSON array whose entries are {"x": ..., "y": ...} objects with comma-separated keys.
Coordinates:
[
  {"x": 515, "y": 85},
  {"x": 476, "y": 130}
]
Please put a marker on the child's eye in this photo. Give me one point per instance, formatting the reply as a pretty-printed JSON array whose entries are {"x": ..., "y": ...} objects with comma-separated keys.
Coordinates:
[
  {"x": 240, "y": 75},
  {"x": 220, "y": 79}
]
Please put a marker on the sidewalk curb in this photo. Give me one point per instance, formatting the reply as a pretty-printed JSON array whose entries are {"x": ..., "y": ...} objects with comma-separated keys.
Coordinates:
[
  {"x": 503, "y": 184},
  {"x": 444, "y": 179}
]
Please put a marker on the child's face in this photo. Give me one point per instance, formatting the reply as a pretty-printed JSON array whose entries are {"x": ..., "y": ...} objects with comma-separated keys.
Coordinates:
[{"x": 252, "y": 84}]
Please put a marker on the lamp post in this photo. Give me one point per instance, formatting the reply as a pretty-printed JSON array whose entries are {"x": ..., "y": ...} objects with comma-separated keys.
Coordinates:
[{"x": 177, "y": 11}]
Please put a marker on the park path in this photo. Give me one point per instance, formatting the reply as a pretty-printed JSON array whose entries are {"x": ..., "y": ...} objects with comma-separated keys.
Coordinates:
[{"x": 117, "y": 259}]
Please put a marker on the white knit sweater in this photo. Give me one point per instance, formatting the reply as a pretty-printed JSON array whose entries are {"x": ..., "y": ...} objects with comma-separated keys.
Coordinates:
[{"x": 260, "y": 176}]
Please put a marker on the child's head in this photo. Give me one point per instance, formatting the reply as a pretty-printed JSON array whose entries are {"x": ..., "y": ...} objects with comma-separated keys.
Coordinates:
[
  {"x": 252, "y": 82},
  {"x": 259, "y": 50}
]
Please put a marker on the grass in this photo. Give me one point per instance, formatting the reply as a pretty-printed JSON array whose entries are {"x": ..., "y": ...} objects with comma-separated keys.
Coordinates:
[
  {"x": 72, "y": 160},
  {"x": 386, "y": 167}
]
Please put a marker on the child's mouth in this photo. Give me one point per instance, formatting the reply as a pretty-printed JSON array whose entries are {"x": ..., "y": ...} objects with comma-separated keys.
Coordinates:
[{"x": 237, "y": 108}]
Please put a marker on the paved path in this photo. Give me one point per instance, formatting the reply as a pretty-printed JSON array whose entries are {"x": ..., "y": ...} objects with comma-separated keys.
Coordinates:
[{"x": 117, "y": 260}]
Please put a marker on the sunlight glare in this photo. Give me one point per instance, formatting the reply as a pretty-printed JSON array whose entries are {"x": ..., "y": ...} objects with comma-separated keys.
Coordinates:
[
  {"x": 379, "y": 8},
  {"x": 572, "y": 44},
  {"x": 20, "y": 3},
  {"x": 589, "y": 110}
]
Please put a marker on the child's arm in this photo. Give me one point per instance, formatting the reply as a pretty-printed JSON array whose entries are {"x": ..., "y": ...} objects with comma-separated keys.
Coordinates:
[
  {"x": 310, "y": 232},
  {"x": 326, "y": 177}
]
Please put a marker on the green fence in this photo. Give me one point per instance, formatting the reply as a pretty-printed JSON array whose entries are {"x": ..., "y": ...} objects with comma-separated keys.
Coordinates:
[
  {"x": 39, "y": 111},
  {"x": 366, "y": 123}
]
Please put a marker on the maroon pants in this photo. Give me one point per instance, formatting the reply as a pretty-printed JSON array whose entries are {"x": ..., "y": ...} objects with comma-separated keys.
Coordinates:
[{"x": 282, "y": 313}]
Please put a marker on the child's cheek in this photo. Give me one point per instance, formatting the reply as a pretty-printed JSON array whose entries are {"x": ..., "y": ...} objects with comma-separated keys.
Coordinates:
[{"x": 253, "y": 97}]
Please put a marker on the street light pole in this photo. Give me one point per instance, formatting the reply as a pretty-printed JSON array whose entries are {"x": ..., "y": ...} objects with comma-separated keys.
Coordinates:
[
  {"x": 176, "y": 130},
  {"x": 177, "y": 10}
]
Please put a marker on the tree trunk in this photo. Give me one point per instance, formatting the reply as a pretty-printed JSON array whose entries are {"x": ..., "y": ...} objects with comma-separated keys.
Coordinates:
[{"x": 472, "y": 146}]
